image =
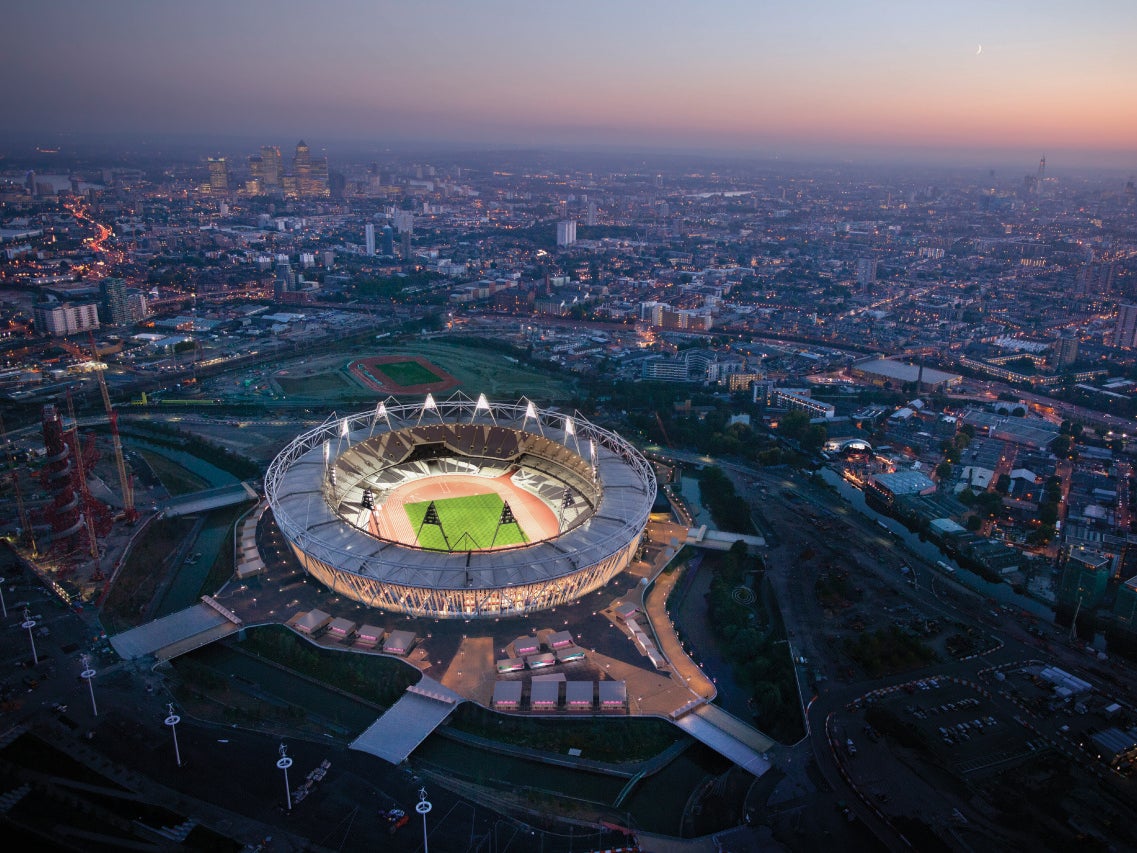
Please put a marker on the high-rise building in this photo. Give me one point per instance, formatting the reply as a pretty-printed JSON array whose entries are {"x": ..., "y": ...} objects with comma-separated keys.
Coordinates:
[
  {"x": 369, "y": 237},
  {"x": 271, "y": 166},
  {"x": 1125, "y": 332},
  {"x": 866, "y": 272},
  {"x": 218, "y": 175},
  {"x": 566, "y": 232},
  {"x": 116, "y": 311},
  {"x": 388, "y": 240},
  {"x": 590, "y": 217},
  {"x": 302, "y": 168},
  {"x": 1066, "y": 349}
]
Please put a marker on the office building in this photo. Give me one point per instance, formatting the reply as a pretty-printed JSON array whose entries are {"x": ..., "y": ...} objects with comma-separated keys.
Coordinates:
[
  {"x": 388, "y": 240},
  {"x": 369, "y": 238},
  {"x": 218, "y": 175},
  {"x": 271, "y": 167}
]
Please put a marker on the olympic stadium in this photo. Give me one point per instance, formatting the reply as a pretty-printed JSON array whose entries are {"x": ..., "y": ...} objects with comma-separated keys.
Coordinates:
[{"x": 461, "y": 509}]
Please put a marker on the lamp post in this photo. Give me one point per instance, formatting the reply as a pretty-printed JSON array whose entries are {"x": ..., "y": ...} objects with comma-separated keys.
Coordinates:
[
  {"x": 30, "y": 623},
  {"x": 3, "y": 604},
  {"x": 88, "y": 675},
  {"x": 172, "y": 721},
  {"x": 423, "y": 806},
  {"x": 284, "y": 763}
]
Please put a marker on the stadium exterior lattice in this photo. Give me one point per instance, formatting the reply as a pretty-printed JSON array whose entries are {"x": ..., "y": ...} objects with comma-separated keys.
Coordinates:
[{"x": 331, "y": 487}]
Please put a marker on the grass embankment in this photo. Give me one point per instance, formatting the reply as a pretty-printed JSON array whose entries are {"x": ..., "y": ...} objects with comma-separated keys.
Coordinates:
[
  {"x": 613, "y": 740},
  {"x": 373, "y": 678},
  {"x": 176, "y": 479},
  {"x": 223, "y": 566},
  {"x": 145, "y": 568}
]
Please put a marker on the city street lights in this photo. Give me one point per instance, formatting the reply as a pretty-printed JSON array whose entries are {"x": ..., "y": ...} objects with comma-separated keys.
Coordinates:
[
  {"x": 88, "y": 675},
  {"x": 284, "y": 763},
  {"x": 30, "y": 623},
  {"x": 423, "y": 806},
  {"x": 172, "y": 721}
]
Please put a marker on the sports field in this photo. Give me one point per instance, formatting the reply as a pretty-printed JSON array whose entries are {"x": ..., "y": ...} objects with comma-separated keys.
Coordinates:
[
  {"x": 407, "y": 373},
  {"x": 469, "y": 523}
]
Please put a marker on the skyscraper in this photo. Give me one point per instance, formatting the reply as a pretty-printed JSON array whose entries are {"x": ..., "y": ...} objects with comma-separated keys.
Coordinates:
[
  {"x": 302, "y": 168},
  {"x": 388, "y": 240},
  {"x": 271, "y": 169},
  {"x": 218, "y": 175},
  {"x": 1125, "y": 332},
  {"x": 116, "y": 310},
  {"x": 369, "y": 237}
]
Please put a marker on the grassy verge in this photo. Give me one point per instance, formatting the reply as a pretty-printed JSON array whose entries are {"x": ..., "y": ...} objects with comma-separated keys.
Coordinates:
[
  {"x": 613, "y": 740},
  {"x": 145, "y": 568},
  {"x": 223, "y": 567},
  {"x": 176, "y": 479},
  {"x": 370, "y": 677}
]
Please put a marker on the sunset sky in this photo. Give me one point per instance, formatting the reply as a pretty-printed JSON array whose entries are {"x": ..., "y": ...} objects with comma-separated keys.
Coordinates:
[{"x": 750, "y": 75}]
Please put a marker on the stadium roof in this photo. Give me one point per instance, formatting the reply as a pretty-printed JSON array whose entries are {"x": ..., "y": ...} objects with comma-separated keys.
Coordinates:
[
  {"x": 906, "y": 372},
  {"x": 297, "y": 496}
]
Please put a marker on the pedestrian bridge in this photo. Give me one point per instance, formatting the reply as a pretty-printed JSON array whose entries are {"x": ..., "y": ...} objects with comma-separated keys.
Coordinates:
[
  {"x": 728, "y": 736},
  {"x": 720, "y": 540},
  {"x": 407, "y": 723},
  {"x": 209, "y": 499},
  {"x": 178, "y": 632}
]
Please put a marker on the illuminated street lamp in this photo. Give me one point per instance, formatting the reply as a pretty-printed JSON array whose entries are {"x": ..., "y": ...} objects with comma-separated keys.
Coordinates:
[
  {"x": 30, "y": 623},
  {"x": 283, "y": 764},
  {"x": 423, "y": 807},
  {"x": 172, "y": 721},
  {"x": 88, "y": 675}
]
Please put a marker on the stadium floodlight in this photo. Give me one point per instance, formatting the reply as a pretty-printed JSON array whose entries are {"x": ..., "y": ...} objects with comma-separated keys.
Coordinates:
[
  {"x": 483, "y": 405},
  {"x": 423, "y": 808},
  {"x": 380, "y": 412},
  {"x": 428, "y": 403}
]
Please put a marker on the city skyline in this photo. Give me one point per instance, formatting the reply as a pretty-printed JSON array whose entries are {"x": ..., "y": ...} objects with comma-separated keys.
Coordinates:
[{"x": 832, "y": 80}]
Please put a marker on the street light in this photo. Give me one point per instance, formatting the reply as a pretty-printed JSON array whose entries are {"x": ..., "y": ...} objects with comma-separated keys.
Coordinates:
[
  {"x": 88, "y": 675},
  {"x": 423, "y": 806},
  {"x": 283, "y": 764},
  {"x": 30, "y": 623},
  {"x": 172, "y": 721}
]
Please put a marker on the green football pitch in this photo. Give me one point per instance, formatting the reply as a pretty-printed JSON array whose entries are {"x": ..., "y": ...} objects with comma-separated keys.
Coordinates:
[
  {"x": 407, "y": 373},
  {"x": 469, "y": 523}
]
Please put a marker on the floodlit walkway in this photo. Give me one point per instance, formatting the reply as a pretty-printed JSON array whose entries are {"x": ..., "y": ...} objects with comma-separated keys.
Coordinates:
[
  {"x": 209, "y": 499},
  {"x": 175, "y": 634},
  {"x": 407, "y": 723}
]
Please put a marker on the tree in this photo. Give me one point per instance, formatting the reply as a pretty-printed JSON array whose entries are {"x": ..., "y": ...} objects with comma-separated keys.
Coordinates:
[
  {"x": 793, "y": 424},
  {"x": 943, "y": 471}
]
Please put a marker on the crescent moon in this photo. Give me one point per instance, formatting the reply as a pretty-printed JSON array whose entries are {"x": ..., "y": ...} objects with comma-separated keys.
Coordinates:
[{"x": 979, "y": 51}]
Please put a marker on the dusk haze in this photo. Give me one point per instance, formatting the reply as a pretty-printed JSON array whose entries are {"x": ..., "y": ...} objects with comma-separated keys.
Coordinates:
[{"x": 769, "y": 78}]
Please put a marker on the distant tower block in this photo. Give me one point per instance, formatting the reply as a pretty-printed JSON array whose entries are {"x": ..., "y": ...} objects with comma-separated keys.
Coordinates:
[
  {"x": 866, "y": 272},
  {"x": 369, "y": 237},
  {"x": 1125, "y": 332},
  {"x": 566, "y": 232}
]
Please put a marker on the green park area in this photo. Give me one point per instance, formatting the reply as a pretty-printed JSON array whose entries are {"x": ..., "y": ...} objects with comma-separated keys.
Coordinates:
[
  {"x": 463, "y": 524},
  {"x": 407, "y": 373},
  {"x": 489, "y": 371}
]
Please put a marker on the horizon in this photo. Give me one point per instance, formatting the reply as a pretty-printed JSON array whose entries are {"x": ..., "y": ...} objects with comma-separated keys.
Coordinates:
[{"x": 881, "y": 81}]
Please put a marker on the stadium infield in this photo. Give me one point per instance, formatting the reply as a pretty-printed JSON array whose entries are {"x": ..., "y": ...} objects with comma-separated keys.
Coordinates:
[{"x": 465, "y": 523}]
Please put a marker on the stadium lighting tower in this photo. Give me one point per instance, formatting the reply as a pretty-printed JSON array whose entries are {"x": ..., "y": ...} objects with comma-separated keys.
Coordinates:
[
  {"x": 88, "y": 675},
  {"x": 172, "y": 721},
  {"x": 284, "y": 763},
  {"x": 423, "y": 807},
  {"x": 30, "y": 623}
]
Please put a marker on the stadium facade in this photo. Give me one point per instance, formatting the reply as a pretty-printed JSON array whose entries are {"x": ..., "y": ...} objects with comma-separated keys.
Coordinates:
[{"x": 326, "y": 487}]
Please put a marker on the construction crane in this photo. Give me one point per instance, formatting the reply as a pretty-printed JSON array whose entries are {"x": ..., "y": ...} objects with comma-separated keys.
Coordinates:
[
  {"x": 128, "y": 511},
  {"x": 84, "y": 492}
]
